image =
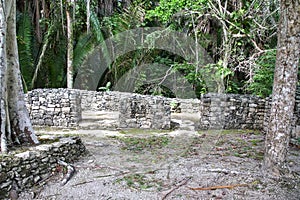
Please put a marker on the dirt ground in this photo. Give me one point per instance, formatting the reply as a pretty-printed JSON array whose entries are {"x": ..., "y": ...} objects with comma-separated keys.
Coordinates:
[{"x": 178, "y": 164}]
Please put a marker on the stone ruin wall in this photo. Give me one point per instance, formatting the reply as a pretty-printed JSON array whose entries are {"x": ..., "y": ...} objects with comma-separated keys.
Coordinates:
[
  {"x": 146, "y": 112},
  {"x": 54, "y": 107},
  {"x": 231, "y": 111},
  {"x": 63, "y": 107},
  {"x": 135, "y": 110},
  {"x": 101, "y": 101},
  {"x": 25, "y": 169}
]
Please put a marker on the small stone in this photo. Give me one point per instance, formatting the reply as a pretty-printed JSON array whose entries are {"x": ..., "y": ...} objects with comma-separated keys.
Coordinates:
[{"x": 36, "y": 179}]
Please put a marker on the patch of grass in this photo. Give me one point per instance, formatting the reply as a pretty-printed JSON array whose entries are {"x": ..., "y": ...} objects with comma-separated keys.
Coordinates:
[
  {"x": 193, "y": 147},
  {"x": 142, "y": 131},
  {"x": 52, "y": 128},
  {"x": 220, "y": 142},
  {"x": 230, "y": 131},
  {"x": 71, "y": 135},
  {"x": 139, "y": 144},
  {"x": 258, "y": 156},
  {"x": 138, "y": 181},
  {"x": 255, "y": 142}
]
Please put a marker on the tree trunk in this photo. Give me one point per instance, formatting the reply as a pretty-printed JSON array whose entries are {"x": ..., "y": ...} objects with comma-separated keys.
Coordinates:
[
  {"x": 14, "y": 119},
  {"x": 70, "y": 45},
  {"x": 3, "y": 78},
  {"x": 285, "y": 80},
  {"x": 88, "y": 16}
]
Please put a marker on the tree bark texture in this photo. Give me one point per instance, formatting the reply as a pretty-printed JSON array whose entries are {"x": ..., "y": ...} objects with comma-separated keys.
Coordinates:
[
  {"x": 70, "y": 45},
  {"x": 14, "y": 119},
  {"x": 285, "y": 80}
]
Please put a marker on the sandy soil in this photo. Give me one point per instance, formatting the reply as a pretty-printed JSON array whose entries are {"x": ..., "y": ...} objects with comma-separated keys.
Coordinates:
[{"x": 179, "y": 164}]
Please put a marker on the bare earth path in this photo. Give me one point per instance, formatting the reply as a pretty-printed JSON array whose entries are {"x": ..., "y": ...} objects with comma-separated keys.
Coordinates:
[{"x": 137, "y": 164}]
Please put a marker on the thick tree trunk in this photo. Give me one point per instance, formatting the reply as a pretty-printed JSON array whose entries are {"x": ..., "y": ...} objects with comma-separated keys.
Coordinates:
[
  {"x": 14, "y": 119},
  {"x": 18, "y": 114},
  {"x": 285, "y": 80},
  {"x": 3, "y": 78}
]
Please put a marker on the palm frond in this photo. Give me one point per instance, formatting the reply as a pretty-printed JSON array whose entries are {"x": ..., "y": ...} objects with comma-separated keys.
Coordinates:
[
  {"x": 24, "y": 38},
  {"x": 96, "y": 27},
  {"x": 83, "y": 47}
]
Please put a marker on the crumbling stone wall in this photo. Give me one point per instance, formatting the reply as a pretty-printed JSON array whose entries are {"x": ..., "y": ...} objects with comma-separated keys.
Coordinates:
[
  {"x": 63, "y": 107},
  {"x": 231, "y": 111},
  {"x": 54, "y": 107},
  {"x": 101, "y": 101},
  {"x": 24, "y": 170},
  {"x": 146, "y": 112},
  {"x": 184, "y": 105}
]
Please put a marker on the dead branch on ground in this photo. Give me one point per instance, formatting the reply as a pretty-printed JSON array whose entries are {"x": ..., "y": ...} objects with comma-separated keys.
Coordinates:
[
  {"x": 220, "y": 187},
  {"x": 181, "y": 183}
]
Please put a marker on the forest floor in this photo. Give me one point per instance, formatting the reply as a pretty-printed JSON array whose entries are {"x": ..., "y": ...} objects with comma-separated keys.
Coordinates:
[{"x": 178, "y": 164}]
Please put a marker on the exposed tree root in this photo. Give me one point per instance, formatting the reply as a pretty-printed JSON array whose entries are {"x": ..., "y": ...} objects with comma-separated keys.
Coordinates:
[{"x": 70, "y": 171}]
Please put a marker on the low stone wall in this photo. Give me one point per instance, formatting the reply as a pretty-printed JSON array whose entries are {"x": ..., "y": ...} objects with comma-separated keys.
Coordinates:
[
  {"x": 231, "y": 111},
  {"x": 54, "y": 107},
  {"x": 101, "y": 101},
  {"x": 63, "y": 107},
  {"x": 146, "y": 112},
  {"x": 23, "y": 170},
  {"x": 184, "y": 105}
]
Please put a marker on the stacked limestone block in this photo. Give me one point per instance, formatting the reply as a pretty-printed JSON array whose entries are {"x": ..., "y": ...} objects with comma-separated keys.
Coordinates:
[
  {"x": 146, "y": 112},
  {"x": 230, "y": 111},
  {"x": 23, "y": 170},
  {"x": 101, "y": 101},
  {"x": 54, "y": 107},
  {"x": 184, "y": 105}
]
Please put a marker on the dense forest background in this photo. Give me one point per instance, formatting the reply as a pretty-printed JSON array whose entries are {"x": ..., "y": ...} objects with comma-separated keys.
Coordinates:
[{"x": 239, "y": 35}]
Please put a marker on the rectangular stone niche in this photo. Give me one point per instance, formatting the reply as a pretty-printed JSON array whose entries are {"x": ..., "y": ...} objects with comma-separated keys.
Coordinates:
[{"x": 145, "y": 112}]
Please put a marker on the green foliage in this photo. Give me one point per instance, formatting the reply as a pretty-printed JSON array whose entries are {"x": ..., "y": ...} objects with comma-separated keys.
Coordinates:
[
  {"x": 147, "y": 143},
  {"x": 84, "y": 45},
  {"x": 96, "y": 27},
  {"x": 167, "y": 9},
  {"x": 264, "y": 75},
  {"x": 106, "y": 88},
  {"x": 139, "y": 181},
  {"x": 231, "y": 37},
  {"x": 25, "y": 40}
]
